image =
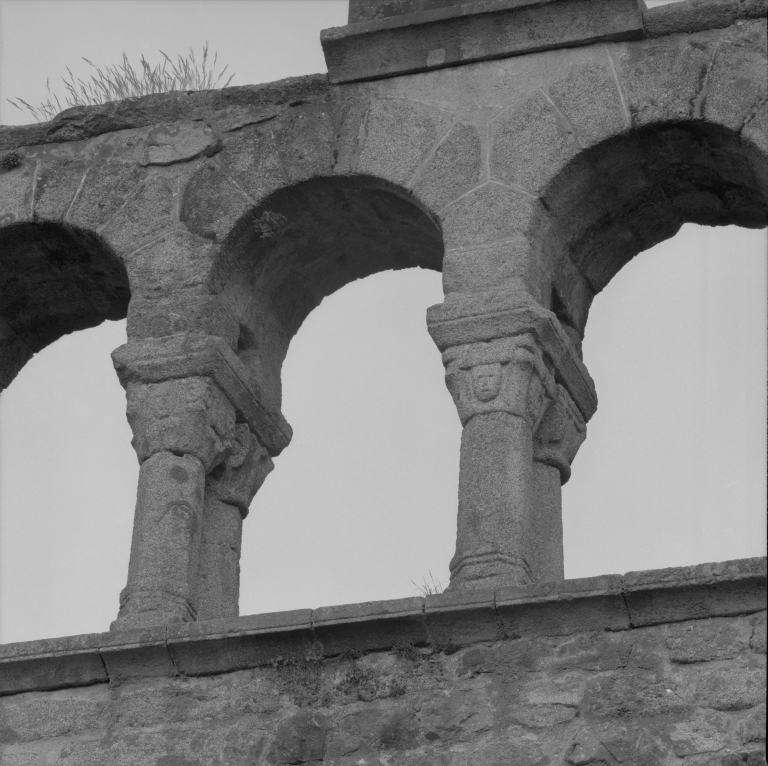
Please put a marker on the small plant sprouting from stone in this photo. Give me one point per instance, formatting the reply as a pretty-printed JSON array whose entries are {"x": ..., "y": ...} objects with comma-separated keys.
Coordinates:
[
  {"x": 429, "y": 587},
  {"x": 268, "y": 223},
  {"x": 11, "y": 160},
  {"x": 119, "y": 81},
  {"x": 407, "y": 651}
]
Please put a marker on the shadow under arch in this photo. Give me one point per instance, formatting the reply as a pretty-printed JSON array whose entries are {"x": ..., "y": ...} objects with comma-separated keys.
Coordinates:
[
  {"x": 54, "y": 279},
  {"x": 303, "y": 243},
  {"x": 631, "y": 192}
]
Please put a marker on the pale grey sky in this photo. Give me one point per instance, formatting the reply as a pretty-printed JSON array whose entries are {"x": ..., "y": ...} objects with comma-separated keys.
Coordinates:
[{"x": 364, "y": 499}]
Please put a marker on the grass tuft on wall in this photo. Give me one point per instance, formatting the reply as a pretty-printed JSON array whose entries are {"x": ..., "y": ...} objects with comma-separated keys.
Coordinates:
[{"x": 119, "y": 81}]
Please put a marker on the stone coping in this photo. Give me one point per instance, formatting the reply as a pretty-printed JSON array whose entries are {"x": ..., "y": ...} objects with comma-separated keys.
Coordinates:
[
  {"x": 446, "y": 621},
  {"x": 425, "y": 39},
  {"x": 233, "y": 107}
]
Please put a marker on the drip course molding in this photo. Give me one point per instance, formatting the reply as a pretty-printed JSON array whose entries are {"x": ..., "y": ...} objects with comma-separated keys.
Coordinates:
[{"x": 445, "y": 621}]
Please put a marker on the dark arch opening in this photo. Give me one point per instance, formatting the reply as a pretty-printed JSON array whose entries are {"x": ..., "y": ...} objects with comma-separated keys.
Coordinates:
[
  {"x": 54, "y": 279},
  {"x": 303, "y": 243},
  {"x": 633, "y": 191}
]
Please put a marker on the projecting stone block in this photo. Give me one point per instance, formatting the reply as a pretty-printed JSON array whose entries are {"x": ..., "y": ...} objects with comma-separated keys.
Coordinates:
[
  {"x": 136, "y": 654},
  {"x": 695, "y": 592},
  {"x": 458, "y": 34},
  {"x": 168, "y": 144},
  {"x": 460, "y": 618},
  {"x": 217, "y": 646},
  {"x": 51, "y": 664},
  {"x": 563, "y": 607},
  {"x": 370, "y": 626}
]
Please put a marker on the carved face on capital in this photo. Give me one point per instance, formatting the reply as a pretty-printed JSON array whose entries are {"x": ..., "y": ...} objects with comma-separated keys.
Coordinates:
[{"x": 486, "y": 381}]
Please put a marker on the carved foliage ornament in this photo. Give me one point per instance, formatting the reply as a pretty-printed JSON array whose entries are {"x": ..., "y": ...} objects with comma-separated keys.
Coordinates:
[{"x": 560, "y": 434}]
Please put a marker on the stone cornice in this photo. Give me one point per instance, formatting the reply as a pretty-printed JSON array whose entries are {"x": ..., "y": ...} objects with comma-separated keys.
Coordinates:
[{"x": 446, "y": 622}]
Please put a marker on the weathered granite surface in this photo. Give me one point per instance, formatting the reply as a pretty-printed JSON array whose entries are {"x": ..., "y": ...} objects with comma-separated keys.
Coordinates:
[
  {"x": 548, "y": 143},
  {"x": 657, "y": 667}
]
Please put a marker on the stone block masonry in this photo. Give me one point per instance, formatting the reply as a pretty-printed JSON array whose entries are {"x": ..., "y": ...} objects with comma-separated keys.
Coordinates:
[
  {"x": 657, "y": 667},
  {"x": 528, "y": 149}
]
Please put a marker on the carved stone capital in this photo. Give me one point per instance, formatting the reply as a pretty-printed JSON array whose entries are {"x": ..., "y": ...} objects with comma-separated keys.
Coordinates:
[
  {"x": 560, "y": 434},
  {"x": 502, "y": 375},
  {"x": 155, "y": 360},
  {"x": 189, "y": 416},
  {"x": 470, "y": 319},
  {"x": 238, "y": 478}
]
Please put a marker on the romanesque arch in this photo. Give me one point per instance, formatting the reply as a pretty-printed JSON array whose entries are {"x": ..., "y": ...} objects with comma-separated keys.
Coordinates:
[
  {"x": 54, "y": 279},
  {"x": 528, "y": 174}
]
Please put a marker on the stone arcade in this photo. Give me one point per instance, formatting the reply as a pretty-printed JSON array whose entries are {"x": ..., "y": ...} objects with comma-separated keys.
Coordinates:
[{"x": 527, "y": 149}]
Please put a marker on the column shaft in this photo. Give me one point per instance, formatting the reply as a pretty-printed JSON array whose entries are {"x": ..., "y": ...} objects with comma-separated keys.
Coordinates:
[
  {"x": 545, "y": 530},
  {"x": 495, "y": 493},
  {"x": 166, "y": 540},
  {"x": 218, "y": 578}
]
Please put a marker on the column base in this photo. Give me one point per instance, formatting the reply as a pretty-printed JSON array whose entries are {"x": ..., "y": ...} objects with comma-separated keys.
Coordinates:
[
  {"x": 147, "y": 610},
  {"x": 488, "y": 570}
]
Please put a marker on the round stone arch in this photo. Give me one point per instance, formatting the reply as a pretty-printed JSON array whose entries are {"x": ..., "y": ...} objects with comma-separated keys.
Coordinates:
[
  {"x": 304, "y": 242},
  {"x": 55, "y": 278},
  {"x": 633, "y": 191}
]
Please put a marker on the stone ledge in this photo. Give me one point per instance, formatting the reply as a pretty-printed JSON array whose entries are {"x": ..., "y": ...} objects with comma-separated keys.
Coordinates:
[
  {"x": 700, "y": 15},
  {"x": 472, "y": 31},
  {"x": 450, "y": 620},
  {"x": 225, "y": 108}
]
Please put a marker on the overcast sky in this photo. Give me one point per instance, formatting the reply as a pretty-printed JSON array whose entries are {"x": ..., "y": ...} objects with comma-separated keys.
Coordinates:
[{"x": 364, "y": 500}]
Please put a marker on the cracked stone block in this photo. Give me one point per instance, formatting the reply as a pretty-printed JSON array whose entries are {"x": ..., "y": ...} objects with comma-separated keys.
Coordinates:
[
  {"x": 146, "y": 215},
  {"x": 177, "y": 261},
  {"x": 300, "y": 738},
  {"x": 455, "y": 169},
  {"x": 304, "y": 138},
  {"x": 708, "y": 640},
  {"x": 399, "y": 134},
  {"x": 168, "y": 144},
  {"x": 106, "y": 187},
  {"x": 736, "y": 82},
  {"x": 530, "y": 143},
  {"x": 251, "y": 159},
  {"x": 510, "y": 265},
  {"x": 263, "y": 639},
  {"x": 492, "y": 213},
  {"x": 211, "y": 203},
  {"x": 67, "y": 712},
  {"x": 181, "y": 312},
  {"x": 58, "y": 180},
  {"x": 16, "y": 194},
  {"x": 589, "y": 97},
  {"x": 662, "y": 79}
]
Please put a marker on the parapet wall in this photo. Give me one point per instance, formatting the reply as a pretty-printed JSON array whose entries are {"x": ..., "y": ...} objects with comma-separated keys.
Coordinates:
[{"x": 657, "y": 667}]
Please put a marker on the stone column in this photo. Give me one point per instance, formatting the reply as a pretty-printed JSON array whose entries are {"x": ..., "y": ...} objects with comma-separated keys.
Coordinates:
[
  {"x": 558, "y": 438},
  {"x": 502, "y": 389},
  {"x": 204, "y": 434},
  {"x": 229, "y": 490},
  {"x": 517, "y": 380},
  {"x": 182, "y": 429}
]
